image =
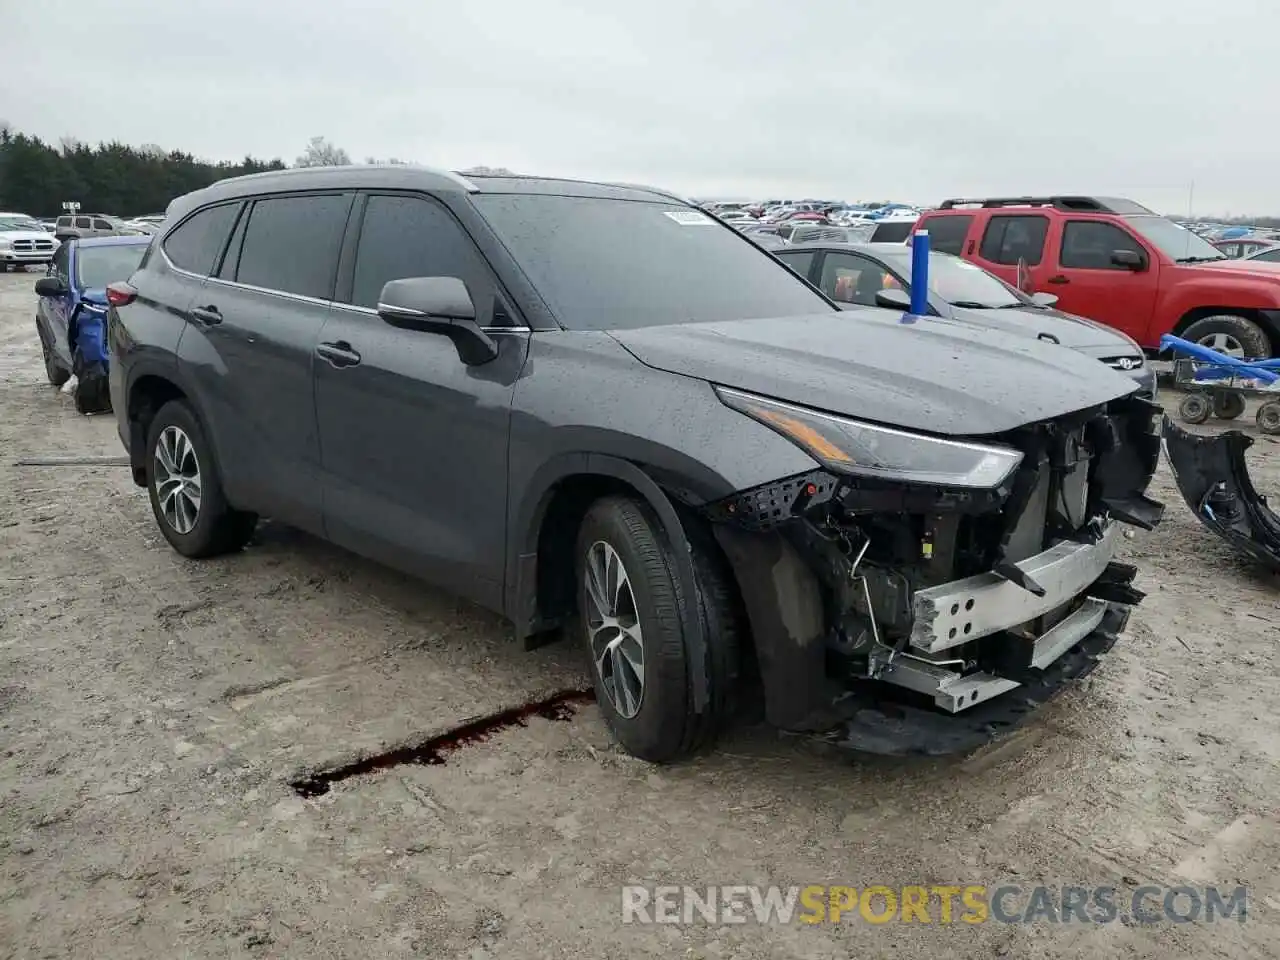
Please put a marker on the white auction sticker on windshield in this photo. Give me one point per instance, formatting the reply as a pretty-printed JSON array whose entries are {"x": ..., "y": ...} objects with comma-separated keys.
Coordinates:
[{"x": 689, "y": 218}]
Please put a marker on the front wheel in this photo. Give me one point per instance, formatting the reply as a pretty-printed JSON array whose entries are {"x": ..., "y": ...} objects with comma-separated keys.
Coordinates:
[
  {"x": 1233, "y": 335},
  {"x": 630, "y": 603},
  {"x": 186, "y": 494},
  {"x": 56, "y": 374}
]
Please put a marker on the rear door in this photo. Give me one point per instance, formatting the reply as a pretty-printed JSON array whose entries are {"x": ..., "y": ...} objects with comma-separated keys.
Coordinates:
[
  {"x": 948, "y": 232},
  {"x": 251, "y": 344},
  {"x": 1086, "y": 282},
  {"x": 414, "y": 442},
  {"x": 1013, "y": 241}
]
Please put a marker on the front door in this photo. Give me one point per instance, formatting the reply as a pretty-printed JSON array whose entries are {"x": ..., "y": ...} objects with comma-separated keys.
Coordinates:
[
  {"x": 1088, "y": 284},
  {"x": 413, "y": 441}
]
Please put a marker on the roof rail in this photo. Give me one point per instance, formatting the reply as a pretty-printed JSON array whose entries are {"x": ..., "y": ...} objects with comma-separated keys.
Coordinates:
[{"x": 1076, "y": 204}]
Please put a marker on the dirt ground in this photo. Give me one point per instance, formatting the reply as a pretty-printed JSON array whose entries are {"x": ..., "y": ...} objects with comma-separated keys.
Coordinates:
[{"x": 153, "y": 711}]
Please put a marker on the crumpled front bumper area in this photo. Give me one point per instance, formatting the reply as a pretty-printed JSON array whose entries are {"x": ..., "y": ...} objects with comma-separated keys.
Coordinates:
[
  {"x": 908, "y": 619},
  {"x": 1214, "y": 480}
]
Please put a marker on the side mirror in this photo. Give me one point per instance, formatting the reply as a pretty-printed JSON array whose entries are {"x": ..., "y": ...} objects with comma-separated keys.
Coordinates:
[
  {"x": 440, "y": 305},
  {"x": 1129, "y": 258},
  {"x": 894, "y": 298},
  {"x": 50, "y": 287},
  {"x": 1043, "y": 299}
]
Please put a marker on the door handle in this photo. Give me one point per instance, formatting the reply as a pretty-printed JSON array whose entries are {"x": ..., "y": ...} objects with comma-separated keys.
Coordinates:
[
  {"x": 1058, "y": 279},
  {"x": 207, "y": 315},
  {"x": 339, "y": 353}
]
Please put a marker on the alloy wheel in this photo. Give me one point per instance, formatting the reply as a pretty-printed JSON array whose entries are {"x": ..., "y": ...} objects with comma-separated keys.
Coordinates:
[
  {"x": 1223, "y": 343},
  {"x": 613, "y": 626},
  {"x": 177, "y": 479}
]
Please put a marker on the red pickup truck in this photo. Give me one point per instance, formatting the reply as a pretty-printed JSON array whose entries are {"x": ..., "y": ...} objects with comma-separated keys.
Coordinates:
[{"x": 1119, "y": 263}]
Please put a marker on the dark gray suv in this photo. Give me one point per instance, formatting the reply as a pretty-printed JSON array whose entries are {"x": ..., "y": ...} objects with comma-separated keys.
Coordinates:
[{"x": 593, "y": 405}]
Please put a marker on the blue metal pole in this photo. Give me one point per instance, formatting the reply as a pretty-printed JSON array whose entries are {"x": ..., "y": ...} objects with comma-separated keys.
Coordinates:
[{"x": 920, "y": 273}]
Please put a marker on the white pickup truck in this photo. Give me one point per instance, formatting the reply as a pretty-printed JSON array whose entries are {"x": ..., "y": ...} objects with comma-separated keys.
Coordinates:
[{"x": 21, "y": 244}]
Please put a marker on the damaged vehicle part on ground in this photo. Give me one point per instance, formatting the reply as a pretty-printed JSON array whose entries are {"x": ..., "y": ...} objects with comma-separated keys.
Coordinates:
[
  {"x": 477, "y": 381},
  {"x": 1214, "y": 480}
]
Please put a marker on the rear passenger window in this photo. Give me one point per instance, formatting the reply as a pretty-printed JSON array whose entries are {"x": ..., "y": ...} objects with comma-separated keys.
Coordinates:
[
  {"x": 412, "y": 237},
  {"x": 1088, "y": 245},
  {"x": 198, "y": 241},
  {"x": 291, "y": 244},
  {"x": 83, "y": 223},
  {"x": 946, "y": 234},
  {"x": 1010, "y": 239}
]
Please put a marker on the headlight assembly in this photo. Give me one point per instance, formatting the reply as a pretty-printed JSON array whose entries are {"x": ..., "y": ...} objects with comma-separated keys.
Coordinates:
[{"x": 850, "y": 446}]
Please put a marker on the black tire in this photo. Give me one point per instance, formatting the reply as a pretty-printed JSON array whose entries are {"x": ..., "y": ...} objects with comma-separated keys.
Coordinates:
[
  {"x": 1251, "y": 337},
  {"x": 1268, "y": 418},
  {"x": 666, "y": 726},
  {"x": 1228, "y": 404},
  {"x": 218, "y": 528},
  {"x": 1195, "y": 408},
  {"x": 93, "y": 395},
  {"x": 56, "y": 374}
]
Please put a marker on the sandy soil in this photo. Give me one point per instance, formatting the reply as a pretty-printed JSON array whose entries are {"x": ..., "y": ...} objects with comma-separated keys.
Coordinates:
[{"x": 153, "y": 711}]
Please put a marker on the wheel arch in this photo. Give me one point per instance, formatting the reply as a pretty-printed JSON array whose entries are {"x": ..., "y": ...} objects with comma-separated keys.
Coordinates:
[
  {"x": 150, "y": 388},
  {"x": 544, "y": 526}
]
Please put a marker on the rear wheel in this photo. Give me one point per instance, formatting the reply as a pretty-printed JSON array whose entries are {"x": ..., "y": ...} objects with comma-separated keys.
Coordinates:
[
  {"x": 1268, "y": 417},
  {"x": 186, "y": 494},
  {"x": 1230, "y": 334},
  {"x": 1194, "y": 408},
  {"x": 631, "y": 602},
  {"x": 1228, "y": 404}
]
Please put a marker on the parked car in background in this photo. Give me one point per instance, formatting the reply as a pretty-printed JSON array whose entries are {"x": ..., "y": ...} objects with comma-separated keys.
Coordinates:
[
  {"x": 72, "y": 311},
  {"x": 21, "y": 245},
  {"x": 658, "y": 436},
  {"x": 1244, "y": 247},
  {"x": 1269, "y": 254},
  {"x": 1115, "y": 261},
  {"x": 83, "y": 226},
  {"x": 879, "y": 274}
]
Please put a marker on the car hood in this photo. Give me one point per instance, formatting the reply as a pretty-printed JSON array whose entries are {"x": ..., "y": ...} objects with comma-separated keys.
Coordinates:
[
  {"x": 1065, "y": 328},
  {"x": 932, "y": 375},
  {"x": 1252, "y": 268},
  {"x": 24, "y": 235}
]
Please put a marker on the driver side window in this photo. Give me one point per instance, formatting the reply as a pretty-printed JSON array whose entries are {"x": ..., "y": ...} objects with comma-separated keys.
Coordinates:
[
  {"x": 853, "y": 279},
  {"x": 60, "y": 265}
]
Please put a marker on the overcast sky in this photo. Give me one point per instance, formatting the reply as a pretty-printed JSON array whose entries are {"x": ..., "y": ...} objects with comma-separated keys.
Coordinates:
[{"x": 911, "y": 100}]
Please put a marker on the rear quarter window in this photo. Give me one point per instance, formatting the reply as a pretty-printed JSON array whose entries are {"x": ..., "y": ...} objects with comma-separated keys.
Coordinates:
[{"x": 197, "y": 242}]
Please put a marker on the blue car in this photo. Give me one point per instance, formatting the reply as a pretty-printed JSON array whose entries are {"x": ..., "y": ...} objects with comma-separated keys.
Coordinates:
[{"x": 72, "y": 315}]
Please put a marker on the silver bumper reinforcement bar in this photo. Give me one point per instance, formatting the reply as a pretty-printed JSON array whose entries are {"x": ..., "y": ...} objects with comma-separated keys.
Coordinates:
[{"x": 954, "y": 613}]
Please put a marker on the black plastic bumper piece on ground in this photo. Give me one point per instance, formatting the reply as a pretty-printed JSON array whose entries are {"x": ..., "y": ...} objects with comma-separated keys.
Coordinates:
[
  {"x": 1214, "y": 480},
  {"x": 898, "y": 729}
]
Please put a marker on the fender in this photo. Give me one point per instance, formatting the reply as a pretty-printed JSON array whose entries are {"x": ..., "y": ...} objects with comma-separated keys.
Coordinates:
[
  {"x": 522, "y": 551},
  {"x": 136, "y": 441}
]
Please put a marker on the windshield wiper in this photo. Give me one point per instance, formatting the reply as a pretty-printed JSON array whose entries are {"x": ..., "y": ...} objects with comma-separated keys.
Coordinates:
[
  {"x": 1199, "y": 259},
  {"x": 972, "y": 305}
]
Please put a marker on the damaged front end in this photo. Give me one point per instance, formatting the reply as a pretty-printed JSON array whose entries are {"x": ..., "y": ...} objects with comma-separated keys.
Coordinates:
[
  {"x": 1214, "y": 480},
  {"x": 923, "y": 611}
]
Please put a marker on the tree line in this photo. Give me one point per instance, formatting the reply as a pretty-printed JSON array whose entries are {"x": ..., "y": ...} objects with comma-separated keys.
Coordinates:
[{"x": 36, "y": 177}]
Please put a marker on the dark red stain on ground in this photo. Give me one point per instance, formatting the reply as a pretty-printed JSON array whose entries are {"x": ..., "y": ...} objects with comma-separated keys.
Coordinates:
[{"x": 435, "y": 751}]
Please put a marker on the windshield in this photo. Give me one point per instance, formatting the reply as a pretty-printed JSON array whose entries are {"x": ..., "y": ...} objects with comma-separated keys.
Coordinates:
[
  {"x": 18, "y": 225},
  {"x": 98, "y": 266},
  {"x": 1175, "y": 241},
  {"x": 962, "y": 283},
  {"x": 605, "y": 264}
]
